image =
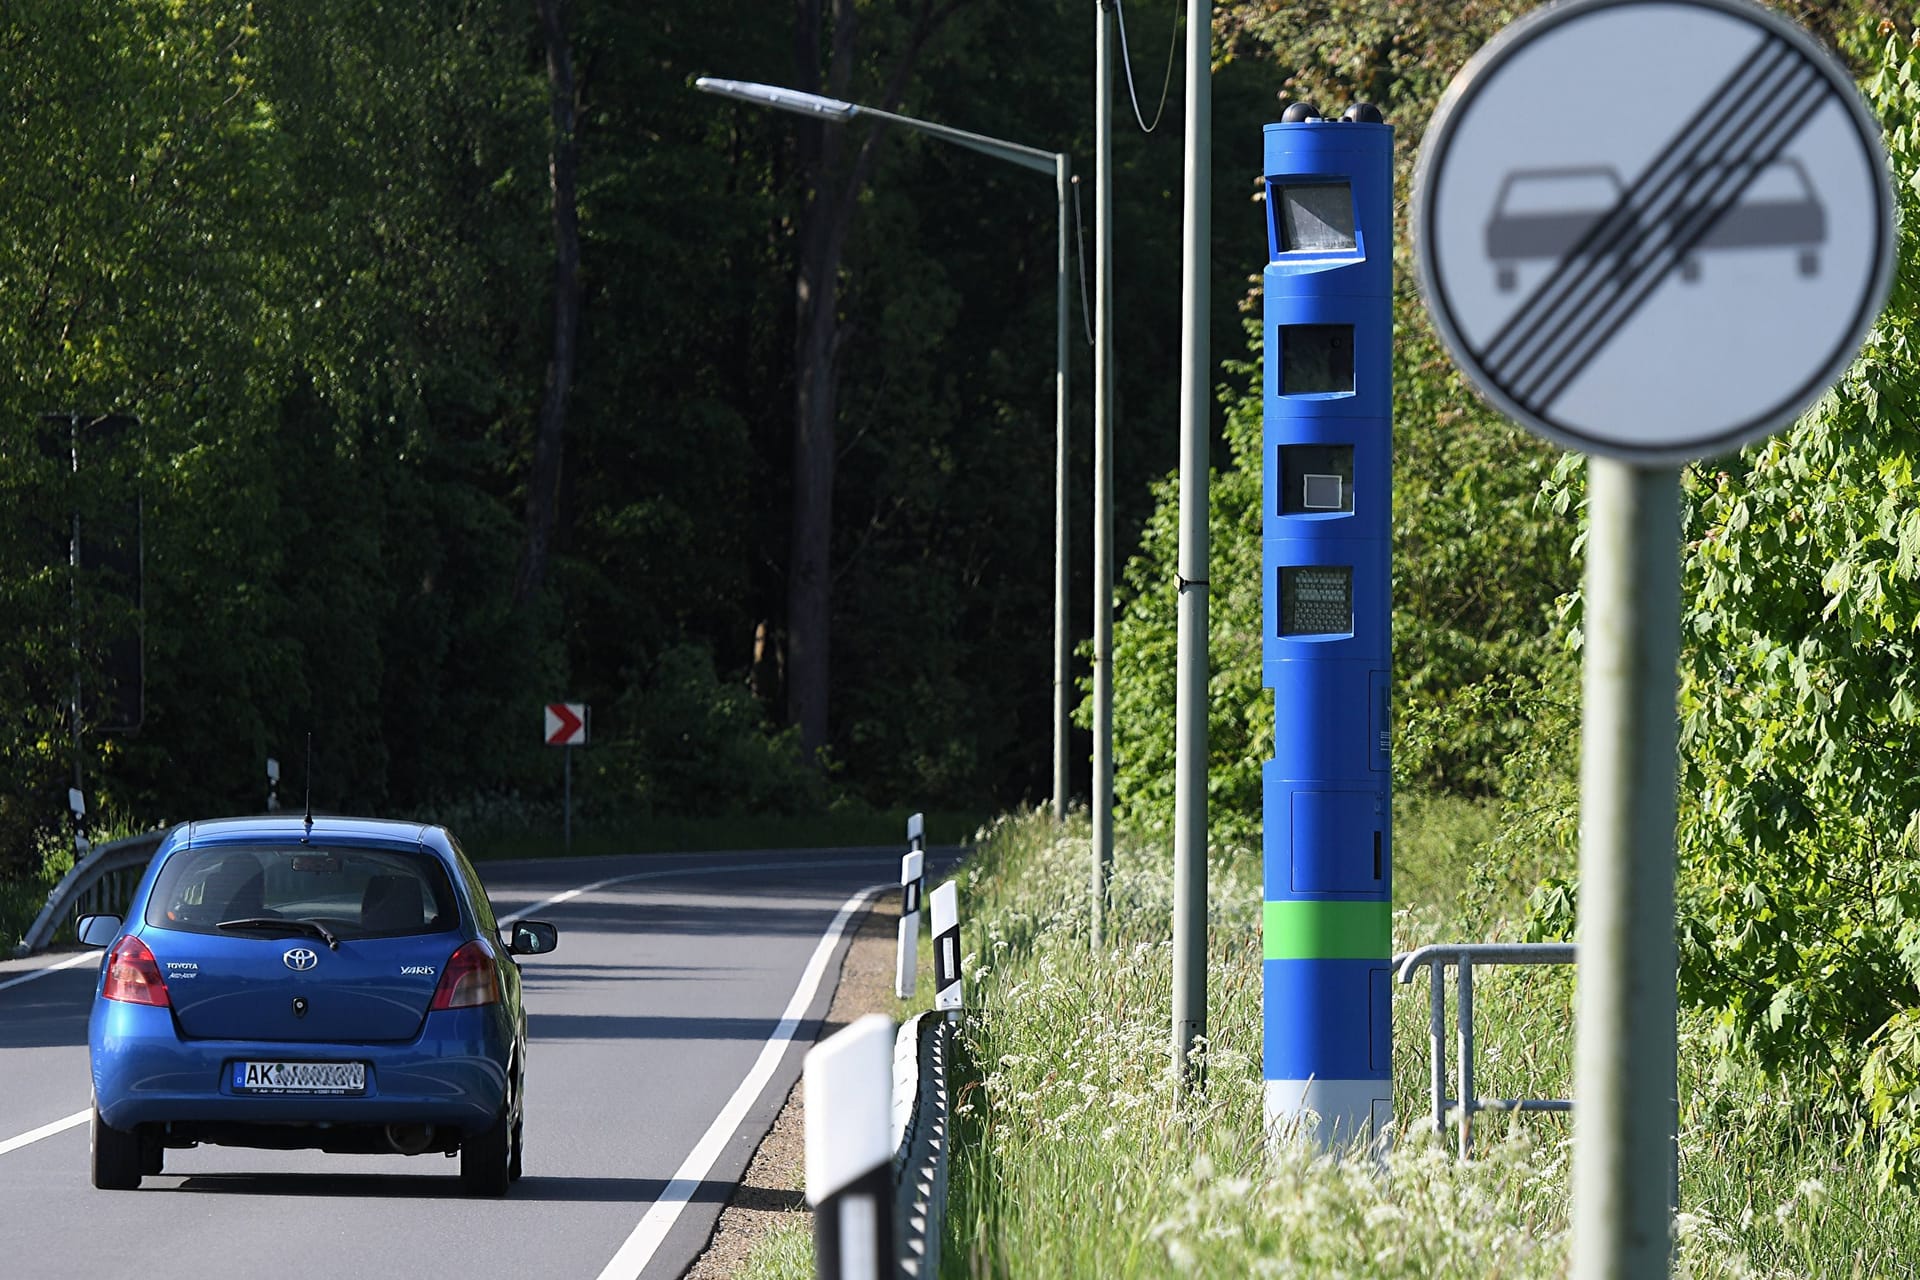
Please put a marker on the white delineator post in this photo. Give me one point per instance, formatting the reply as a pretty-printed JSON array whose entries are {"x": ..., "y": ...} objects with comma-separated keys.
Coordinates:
[
  {"x": 913, "y": 883},
  {"x": 946, "y": 948},
  {"x": 848, "y": 1081},
  {"x": 917, "y": 832}
]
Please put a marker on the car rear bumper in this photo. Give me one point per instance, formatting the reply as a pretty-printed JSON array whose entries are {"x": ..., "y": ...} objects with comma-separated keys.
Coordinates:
[{"x": 454, "y": 1074}]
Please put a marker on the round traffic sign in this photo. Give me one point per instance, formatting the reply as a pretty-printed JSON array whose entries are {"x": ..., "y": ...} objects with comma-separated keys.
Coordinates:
[{"x": 1653, "y": 229}]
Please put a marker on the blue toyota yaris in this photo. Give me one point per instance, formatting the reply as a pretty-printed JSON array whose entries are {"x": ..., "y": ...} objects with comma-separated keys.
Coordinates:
[{"x": 335, "y": 983}]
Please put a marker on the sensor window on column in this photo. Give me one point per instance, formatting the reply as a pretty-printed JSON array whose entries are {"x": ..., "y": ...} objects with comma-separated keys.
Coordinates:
[
  {"x": 1315, "y": 479},
  {"x": 1316, "y": 359}
]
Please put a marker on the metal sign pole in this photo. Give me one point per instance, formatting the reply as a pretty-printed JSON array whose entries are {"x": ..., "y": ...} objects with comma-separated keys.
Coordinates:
[
  {"x": 567, "y": 789},
  {"x": 1624, "y": 1017},
  {"x": 1192, "y": 665}
]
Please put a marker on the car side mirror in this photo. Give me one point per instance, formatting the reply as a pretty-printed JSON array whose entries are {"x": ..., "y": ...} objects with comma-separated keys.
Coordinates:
[
  {"x": 96, "y": 931},
  {"x": 533, "y": 938}
]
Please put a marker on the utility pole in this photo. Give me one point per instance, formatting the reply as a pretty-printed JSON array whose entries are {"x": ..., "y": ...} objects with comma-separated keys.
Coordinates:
[
  {"x": 1190, "y": 715},
  {"x": 1062, "y": 621},
  {"x": 1102, "y": 465}
]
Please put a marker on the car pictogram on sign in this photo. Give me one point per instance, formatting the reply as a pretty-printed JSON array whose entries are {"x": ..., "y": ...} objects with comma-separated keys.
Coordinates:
[
  {"x": 1546, "y": 214},
  {"x": 1777, "y": 210}
]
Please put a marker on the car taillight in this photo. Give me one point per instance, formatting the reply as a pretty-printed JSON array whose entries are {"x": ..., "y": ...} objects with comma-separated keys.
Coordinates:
[
  {"x": 133, "y": 976},
  {"x": 470, "y": 979}
]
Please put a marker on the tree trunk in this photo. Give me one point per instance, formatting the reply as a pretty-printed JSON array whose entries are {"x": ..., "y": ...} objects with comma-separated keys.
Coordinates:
[
  {"x": 543, "y": 483},
  {"x": 833, "y": 188}
]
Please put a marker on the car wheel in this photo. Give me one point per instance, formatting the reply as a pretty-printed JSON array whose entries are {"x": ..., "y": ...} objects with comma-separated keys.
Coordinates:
[
  {"x": 116, "y": 1156},
  {"x": 485, "y": 1159},
  {"x": 518, "y": 1141}
]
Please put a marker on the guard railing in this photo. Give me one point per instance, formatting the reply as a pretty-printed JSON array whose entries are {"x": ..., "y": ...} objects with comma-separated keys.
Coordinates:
[
  {"x": 100, "y": 883},
  {"x": 1463, "y": 957},
  {"x": 921, "y": 1056}
]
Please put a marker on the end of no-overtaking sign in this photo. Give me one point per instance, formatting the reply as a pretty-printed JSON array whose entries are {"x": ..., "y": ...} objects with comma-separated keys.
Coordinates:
[
  {"x": 566, "y": 724},
  {"x": 1653, "y": 230}
]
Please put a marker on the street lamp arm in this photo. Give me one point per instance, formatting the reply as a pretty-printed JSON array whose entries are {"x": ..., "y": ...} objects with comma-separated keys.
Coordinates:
[
  {"x": 766, "y": 95},
  {"x": 1013, "y": 152},
  {"x": 838, "y": 112}
]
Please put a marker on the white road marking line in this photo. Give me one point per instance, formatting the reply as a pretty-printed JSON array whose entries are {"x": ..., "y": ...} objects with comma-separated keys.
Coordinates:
[
  {"x": 640, "y": 1247},
  {"x": 515, "y": 917},
  {"x": 68, "y": 963},
  {"x": 45, "y": 1131}
]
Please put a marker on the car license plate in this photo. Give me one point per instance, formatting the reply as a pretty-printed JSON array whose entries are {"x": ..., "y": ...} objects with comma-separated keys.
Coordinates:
[{"x": 300, "y": 1077}]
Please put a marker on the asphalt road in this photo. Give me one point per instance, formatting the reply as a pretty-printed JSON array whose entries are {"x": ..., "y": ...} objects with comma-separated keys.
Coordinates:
[{"x": 665, "y": 1033}]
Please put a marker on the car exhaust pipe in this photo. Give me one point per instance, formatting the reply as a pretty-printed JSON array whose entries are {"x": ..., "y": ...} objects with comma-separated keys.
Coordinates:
[{"x": 409, "y": 1139}]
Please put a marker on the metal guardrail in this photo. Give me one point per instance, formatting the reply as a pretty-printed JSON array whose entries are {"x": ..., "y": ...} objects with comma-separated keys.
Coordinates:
[
  {"x": 1463, "y": 957},
  {"x": 100, "y": 883},
  {"x": 921, "y": 1055}
]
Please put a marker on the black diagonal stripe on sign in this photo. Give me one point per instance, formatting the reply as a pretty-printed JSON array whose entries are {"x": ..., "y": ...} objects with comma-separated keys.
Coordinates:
[
  {"x": 1588, "y": 264},
  {"x": 1586, "y": 260},
  {"x": 1586, "y": 271},
  {"x": 1645, "y": 211},
  {"x": 1689, "y": 230},
  {"x": 1714, "y": 183}
]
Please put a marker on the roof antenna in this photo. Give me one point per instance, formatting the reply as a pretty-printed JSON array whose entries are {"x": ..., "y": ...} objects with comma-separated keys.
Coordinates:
[{"x": 309, "y": 831}]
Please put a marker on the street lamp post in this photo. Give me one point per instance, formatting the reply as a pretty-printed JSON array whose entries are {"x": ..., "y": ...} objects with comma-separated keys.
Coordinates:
[{"x": 1056, "y": 163}]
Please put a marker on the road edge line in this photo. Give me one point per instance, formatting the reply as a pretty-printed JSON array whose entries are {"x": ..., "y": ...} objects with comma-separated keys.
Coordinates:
[
  {"x": 647, "y": 1236},
  {"x": 44, "y": 970},
  {"x": 45, "y": 1131}
]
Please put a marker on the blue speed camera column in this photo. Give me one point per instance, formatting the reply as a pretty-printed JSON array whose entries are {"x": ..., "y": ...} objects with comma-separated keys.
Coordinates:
[{"x": 1328, "y": 490}]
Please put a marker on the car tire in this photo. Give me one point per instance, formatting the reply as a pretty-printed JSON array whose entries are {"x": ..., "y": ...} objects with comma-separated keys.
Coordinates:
[
  {"x": 117, "y": 1159},
  {"x": 514, "y": 1161},
  {"x": 485, "y": 1160}
]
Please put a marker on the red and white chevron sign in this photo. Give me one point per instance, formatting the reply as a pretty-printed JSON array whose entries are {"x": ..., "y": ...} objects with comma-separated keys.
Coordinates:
[{"x": 566, "y": 724}]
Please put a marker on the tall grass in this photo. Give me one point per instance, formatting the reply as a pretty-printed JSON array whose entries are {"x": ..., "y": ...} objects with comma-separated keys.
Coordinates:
[{"x": 1075, "y": 1155}]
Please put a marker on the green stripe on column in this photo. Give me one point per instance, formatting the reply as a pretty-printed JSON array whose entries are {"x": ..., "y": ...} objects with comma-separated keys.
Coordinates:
[{"x": 1327, "y": 930}]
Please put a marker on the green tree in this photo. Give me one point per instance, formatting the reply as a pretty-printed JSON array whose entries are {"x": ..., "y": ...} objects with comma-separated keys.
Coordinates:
[{"x": 1798, "y": 701}]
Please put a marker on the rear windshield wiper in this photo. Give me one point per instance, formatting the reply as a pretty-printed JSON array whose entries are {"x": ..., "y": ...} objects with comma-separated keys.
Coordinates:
[{"x": 313, "y": 927}]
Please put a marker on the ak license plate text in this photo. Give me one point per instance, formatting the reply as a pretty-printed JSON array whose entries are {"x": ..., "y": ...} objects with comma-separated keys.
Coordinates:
[{"x": 300, "y": 1077}]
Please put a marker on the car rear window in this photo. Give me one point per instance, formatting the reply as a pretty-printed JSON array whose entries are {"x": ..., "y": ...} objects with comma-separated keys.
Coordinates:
[{"x": 354, "y": 892}]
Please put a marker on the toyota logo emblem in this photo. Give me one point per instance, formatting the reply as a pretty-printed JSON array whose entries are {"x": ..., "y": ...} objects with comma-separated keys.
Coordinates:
[{"x": 300, "y": 959}]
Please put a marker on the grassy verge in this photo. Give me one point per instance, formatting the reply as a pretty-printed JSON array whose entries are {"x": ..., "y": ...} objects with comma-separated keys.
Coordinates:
[{"x": 1074, "y": 1156}]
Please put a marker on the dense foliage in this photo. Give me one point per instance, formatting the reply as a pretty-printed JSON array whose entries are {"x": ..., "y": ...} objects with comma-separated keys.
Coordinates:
[
  {"x": 1799, "y": 701},
  {"x": 287, "y": 272}
]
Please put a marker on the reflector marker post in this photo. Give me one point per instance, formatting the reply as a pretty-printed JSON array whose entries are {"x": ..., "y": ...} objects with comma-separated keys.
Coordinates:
[
  {"x": 913, "y": 884},
  {"x": 848, "y": 1080},
  {"x": 917, "y": 832},
  {"x": 946, "y": 948}
]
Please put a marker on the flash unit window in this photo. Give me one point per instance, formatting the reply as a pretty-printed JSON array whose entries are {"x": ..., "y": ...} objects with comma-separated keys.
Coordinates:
[{"x": 1316, "y": 600}]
